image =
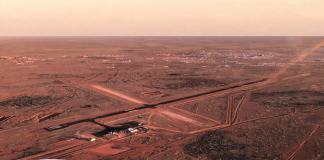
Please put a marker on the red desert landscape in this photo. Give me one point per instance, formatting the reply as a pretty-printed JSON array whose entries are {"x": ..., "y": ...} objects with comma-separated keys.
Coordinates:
[{"x": 161, "y": 98}]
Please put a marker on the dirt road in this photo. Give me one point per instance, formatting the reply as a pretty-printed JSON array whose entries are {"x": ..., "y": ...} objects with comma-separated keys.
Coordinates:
[
  {"x": 117, "y": 94},
  {"x": 229, "y": 110}
]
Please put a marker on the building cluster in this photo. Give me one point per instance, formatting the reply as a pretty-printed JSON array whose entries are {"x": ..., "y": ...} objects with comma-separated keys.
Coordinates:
[
  {"x": 189, "y": 59},
  {"x": 313, "y": 60},
  {"x": 128, "y": 130},
  {"x": 22, "y": 60},
  {"x": 315, "y": 49},
  {"x": 313, "y": 57},
  {"x": 215, "y": 56},
  {"x": 253, "y": 54},
  {"x": 106, "y": 56},
  {"x": 276, "y": 64},
  {"x": 207, "y": 57},
  {"x": 212, "y": 57},
  {"x": 6, "y": 57}
]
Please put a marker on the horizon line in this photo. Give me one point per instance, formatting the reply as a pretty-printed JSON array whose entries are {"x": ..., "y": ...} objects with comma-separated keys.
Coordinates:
[{"x": 161, "y": 36}]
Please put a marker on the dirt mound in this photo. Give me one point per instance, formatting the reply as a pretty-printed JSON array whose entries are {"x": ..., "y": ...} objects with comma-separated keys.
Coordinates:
[
  {"x": 289, "y": 98},
  {"x": 58, "y": 82},
  {"x": 89, "y": 106}
]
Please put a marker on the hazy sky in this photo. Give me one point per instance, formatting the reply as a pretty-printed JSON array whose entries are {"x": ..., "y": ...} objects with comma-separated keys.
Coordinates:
[{"x": 161, "y": 18}]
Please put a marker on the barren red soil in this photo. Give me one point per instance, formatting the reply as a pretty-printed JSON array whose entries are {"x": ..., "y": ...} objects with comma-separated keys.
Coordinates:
[{"x": 182, "y": 98}]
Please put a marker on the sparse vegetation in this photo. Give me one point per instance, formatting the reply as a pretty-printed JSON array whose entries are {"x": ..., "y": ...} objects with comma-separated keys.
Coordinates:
[
  {"x": 295, "y": 98},
  {"x": 195, "y": 107},
  {"x": 28, "y": 101},
  {"x": 216, "y": 146},
  {"x": 191, "y": 82},
  {"x": 32, "y": 151}
]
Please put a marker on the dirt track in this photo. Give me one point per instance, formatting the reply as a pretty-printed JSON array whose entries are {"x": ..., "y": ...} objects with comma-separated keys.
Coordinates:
[
  {"x": 117, "y": 94},
  {"x": 229, "y": 110}
]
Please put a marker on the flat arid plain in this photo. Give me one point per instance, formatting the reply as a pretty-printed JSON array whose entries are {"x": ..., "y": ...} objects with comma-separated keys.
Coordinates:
[{"x": 162, "y": 98}]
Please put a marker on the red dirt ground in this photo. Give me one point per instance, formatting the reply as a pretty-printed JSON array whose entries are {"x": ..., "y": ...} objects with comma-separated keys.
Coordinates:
[{"x": 193, "y": 94}]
